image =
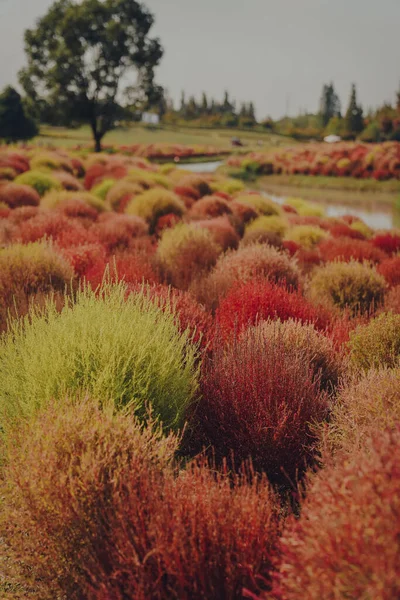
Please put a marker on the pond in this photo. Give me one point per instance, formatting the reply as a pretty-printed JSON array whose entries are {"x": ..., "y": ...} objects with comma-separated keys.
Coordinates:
[{"x": 377, "y": 217}]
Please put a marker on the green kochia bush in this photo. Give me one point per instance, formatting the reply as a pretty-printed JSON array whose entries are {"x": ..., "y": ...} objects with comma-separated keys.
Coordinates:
[
  {"x": 115, "y": 347},
  {"x": 376, "y": 344}
]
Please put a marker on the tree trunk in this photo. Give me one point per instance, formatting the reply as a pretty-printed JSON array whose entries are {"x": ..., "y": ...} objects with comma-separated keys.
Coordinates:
[{"x": 97, "y": 146}]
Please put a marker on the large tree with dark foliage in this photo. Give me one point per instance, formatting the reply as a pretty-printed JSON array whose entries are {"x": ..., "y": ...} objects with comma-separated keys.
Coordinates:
[
  {"x": 83, "y": 56},
  {"x": 15, "y": 123},
  {"x": 353, "y": 120}
]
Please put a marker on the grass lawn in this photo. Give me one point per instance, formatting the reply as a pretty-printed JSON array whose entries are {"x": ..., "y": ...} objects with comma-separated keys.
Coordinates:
[
  {"x": 343, "y": 190},
  {"x": 139, "y": 134}
]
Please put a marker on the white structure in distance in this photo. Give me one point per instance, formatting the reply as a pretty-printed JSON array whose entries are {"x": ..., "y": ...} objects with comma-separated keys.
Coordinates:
[
  {"x": 332, "y": 139},
  {"x": 150, "y": 118}
]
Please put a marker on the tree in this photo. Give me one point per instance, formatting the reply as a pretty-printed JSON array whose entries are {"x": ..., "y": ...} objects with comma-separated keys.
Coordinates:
[
  {"x": 329, "y": 105},
  {"x": 398, "y": 100},
  {"x": 80, "y": 55},
  {"x": 204, "y": 104},
  {"x": 15, "y": 123},
  {"x": 354, "y": 120}
]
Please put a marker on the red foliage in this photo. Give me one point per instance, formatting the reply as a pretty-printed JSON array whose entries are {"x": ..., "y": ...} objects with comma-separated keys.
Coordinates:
[
  {"x": 187, "y": 191},
  {"x": 222, "y": 230},
  {"x": 77, "y": 209},
  {"x": 257, "y": 400},
  {"x": 117, "y": 232},
  {"x": 291, "y": 247},
  {"x": 165, "y": 222},
  {"x": 110, "y": 517},
  {"x": 209, "y": 206},
  {"x": 392, "y": 300},
  {"x": 344, "y": 230},
  {"x": 243, "y": 212},
  {"x": 258, "y": 300},
  {"x": 84, "y": 257},
  {"x": 23, "y": 214},
  {"x": 390, "y": 269},
  {"x": 51, "y": 224},
  {"x": 347, "y": 249},
  {"x": 133, "y": 268},
  {"x": 289, "y": 209},
  {"x": 388, "y": 242},
  {"x": 16, "y": 195},
  {"x": 346, "y": 542}
]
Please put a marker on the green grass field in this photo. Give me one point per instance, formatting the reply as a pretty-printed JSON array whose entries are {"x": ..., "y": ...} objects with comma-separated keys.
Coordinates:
[{"x": 139, "y": 134}]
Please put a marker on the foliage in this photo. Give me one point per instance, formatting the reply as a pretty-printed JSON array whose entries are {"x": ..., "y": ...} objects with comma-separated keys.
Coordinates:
[
  {"x": 376, "y": 344},
  {"x": 153, "y": 204},
  {"x": 184, "y": 252},
  {"x": 306, "y": 235},
  {"x": 15, "y": 195},
  {"x": 62, "y": 72},
  {"x": 358, "y": 287},
  {"x": 346, "y": 542},
  {"x": 122, "y": 350},
  {"x": 15, "y": 123}
]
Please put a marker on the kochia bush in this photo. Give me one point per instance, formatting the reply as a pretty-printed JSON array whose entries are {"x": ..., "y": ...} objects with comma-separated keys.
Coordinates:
[
  {"x": 124, "y": 350},
  {"x": 376, "y": 344}
]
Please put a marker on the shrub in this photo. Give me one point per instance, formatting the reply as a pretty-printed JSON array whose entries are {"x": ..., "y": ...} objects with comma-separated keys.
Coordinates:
[
  {"x": 184, "y": 252},
  {"x": 222, "y": 231},
  {"x": 390, "y": 269},
  {"x": 68, "y": 181},
  {"x": 252, "y": 262},
  {"x": 210, "y": 206},
  {"x": 304, "y": 208},
  {"x": 389, "y": 242},
  {"x": 199, "y": 183},
  {"x": 254, "y": 301},
  {"x": 101, "y": 189},
  {"x": 15, "y": 195},
  {"x": 273, "y": 224},
  {"x": 54, "y": 199},
  {"x": 153, "y": 204},
  {"x": 84, "y": 257},
  {"x": 362, "y": 228},
  {"x": 346, "y": 543},
  {"x": 27, "y": 272},
  {"x": 261, "y": 204},
  {"x": 392, "y": 300},
  {"x": 258, "y": 399},
  {"x": 41, "y": 182},
  {"x": 364, "y": 405},
  {"x": 351, "y": 285},
  {"x": 260, "y": 236},
  {"x": 132, "y": 268},
  {"x": 117, "y": 232},
  {"x": 54, "y": 225},
  {"x": 377, "y": 343},
  {"x": 120, "y": 194},
  {"x": 346, "y": 249},
  {"x": 51, "y": 161},
  {"x": 306, "y": 235},
  {"x": 243, "y": 212},
  {"x": 124, "y": 350},
  {"x": 338, "y": 230},
  {"x": 142, "y": 532},
  {"x": 327, "y": 364},
  {"x": 24, "y": 213}
]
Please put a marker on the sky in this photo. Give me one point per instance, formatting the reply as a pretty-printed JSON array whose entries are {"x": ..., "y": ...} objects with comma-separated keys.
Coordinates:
[{"x": 277, "y": 53}]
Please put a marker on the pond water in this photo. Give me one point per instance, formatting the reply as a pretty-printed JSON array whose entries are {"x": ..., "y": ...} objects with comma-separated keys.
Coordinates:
[
  {"x": 205, "y": 167},
  {"x": 375, "y": 217}
]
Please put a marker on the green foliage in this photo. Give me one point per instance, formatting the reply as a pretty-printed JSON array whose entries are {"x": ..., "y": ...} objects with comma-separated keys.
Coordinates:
[
  {"x": 15, "y": 123},
  {"x": 376, "y": 344},
  {"x": 41, "y": 182},
  {"x": 61, "y": 65},
  {"x": 272, "y": 223},
  {"x": 263, "y": 205},
  {"x": 330, "y": 104},
  {"x": 306, "y": 235},
  {"x": 54, "y": 198},
  {"x": 351, "y": 285},
  {"x": 119, "y": 349},
  {"x": 354, "y": 120},
  {"x": 153, "y": 204},
  {"x": 101, "y": 190},
  {"x": 371, "y": 133},
  {"x": 304, "y": 208}
]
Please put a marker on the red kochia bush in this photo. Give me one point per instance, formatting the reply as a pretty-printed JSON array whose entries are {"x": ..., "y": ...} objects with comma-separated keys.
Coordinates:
[
  {"x": 258, "y": 398},
  {"x": 344, "y": 230},
  {"x": 117, "y": 232},
  {"x": 52, "y": 224},
  {"x": 390, "y": 269},
  {"x": 133, "y": 268},
  {"x": 210, "y": 206},
  {"x": 346, "y": 249},
  {"x": 222, "y": 230},
  {"x": 347, "y": 541},
  {"x": 388, "y": 242},
  {"x": 190, "y": 314},
  {"x": 16, "y": 195},
  {"x": 84, "y": 257},
  {"x": 251, "y": 302},
  {"x": 110, "y": 517}
]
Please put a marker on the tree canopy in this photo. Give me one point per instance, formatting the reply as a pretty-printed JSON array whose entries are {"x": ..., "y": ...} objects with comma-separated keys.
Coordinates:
[
  {"x": 82, "y": 57},
  {"x": 15, "y": 123}
]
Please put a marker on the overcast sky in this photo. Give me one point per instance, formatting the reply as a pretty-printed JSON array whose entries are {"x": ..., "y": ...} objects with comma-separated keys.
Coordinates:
[{"x": 277, "y": 53}]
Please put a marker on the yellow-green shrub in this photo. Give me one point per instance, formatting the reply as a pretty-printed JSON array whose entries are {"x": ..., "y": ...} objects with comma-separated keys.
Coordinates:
[
  {"x": 263, "y": 205},
  {"x": 304, "y": 208},
  {"x": 361, "y": 227},
  {"x": 153, "y": 204},
  {"x": 306, "y": 235},
  {"x": 352, "y": 285},
  {"x": 376, "y": 344},
  {"x": 55, "y": 198},
  {"x": 273, "y": 223},
  {"x": 101, "y": 190},
  {"x": 48, "y": 161},
  {"x": 41, "y": 182},
  {"x": 116, "y": 347}
]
